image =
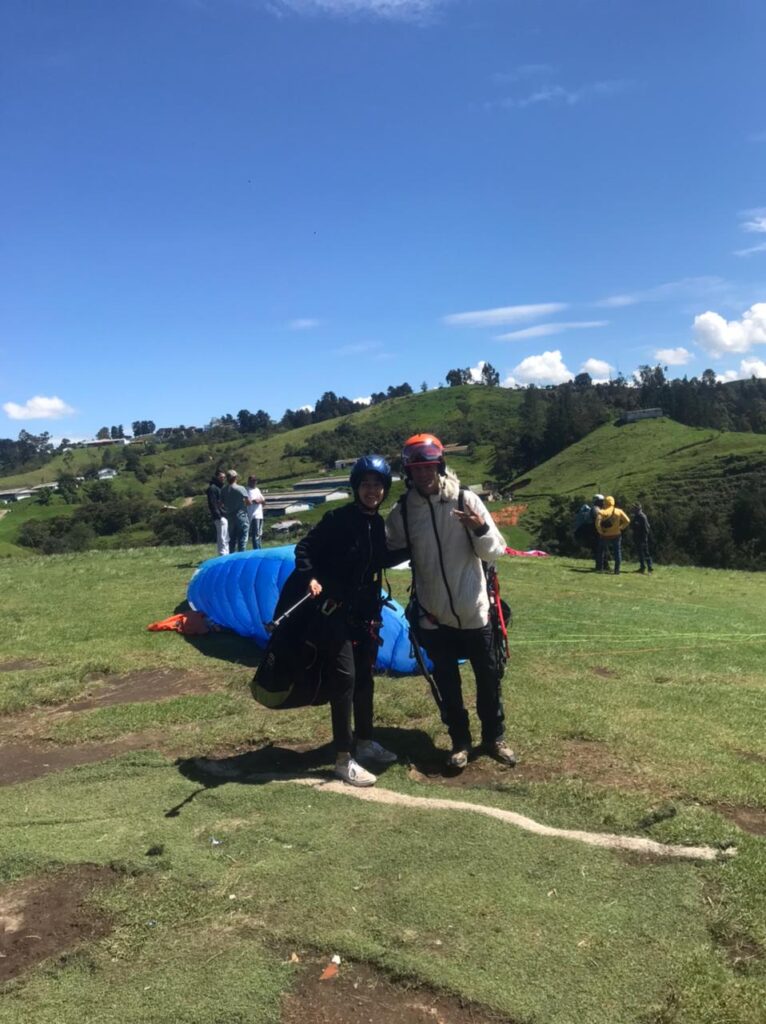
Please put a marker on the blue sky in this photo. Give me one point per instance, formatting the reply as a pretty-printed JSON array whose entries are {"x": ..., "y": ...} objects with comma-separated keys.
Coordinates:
[{"x": 212, "y": 205}]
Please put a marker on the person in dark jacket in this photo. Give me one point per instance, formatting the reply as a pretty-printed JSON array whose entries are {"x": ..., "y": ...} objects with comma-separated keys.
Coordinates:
[
  {"x": 217, "y": 513},
  {"x": 641, "y": 529},
  {"x": 339, "y": 562}
]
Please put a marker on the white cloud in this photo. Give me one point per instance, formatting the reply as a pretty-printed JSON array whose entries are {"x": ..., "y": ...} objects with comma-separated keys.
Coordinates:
[
  {"x": 685, "y": 288},
  {"x": 755, "y": 220},
  {"x": 363, "y": 401},
  {"x": 302, "y": 324},
  {"x": 761, "y": 247},
  {"x": 502, "y": 315},
  {"x": 558, "y": 94},
  {"x": 544, "y": 330},
  {"x": 752, "y": 368},
  {"x": 358, "y": 348},
  {"x": 38, "y": 408},
  {"x": 407, "y": 10},
  {"x": 718, "y": 336},
  {"x": 546, "y": 368},
  {"x": 599, "y": 369},
  {"x": 674, "y": 356},
  {"x": 747, "y": 368}
]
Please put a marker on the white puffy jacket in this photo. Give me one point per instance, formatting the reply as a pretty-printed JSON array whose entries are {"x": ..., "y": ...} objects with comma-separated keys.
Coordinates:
[{"x": 446, "y": 557}]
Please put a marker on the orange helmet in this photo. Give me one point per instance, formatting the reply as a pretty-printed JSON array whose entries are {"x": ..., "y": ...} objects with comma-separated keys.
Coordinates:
[{"x": 422, "y": 449}]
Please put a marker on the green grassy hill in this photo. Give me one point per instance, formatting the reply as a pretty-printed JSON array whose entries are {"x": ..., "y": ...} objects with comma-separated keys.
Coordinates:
[
  {"x": 660, "y": 462},
  {"x": 657, "y": 460},
  {"x": 182, "y": 473}
]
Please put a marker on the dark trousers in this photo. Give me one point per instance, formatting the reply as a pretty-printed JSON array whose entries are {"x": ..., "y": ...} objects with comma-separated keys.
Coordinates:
[
  {"x": 238, "y": 530},
  {"x": 644, "y": 558},
  {"x": 607, "y": 544},
  {"x": 348, "y": 672},
  {"x": 445, "y": 647}
]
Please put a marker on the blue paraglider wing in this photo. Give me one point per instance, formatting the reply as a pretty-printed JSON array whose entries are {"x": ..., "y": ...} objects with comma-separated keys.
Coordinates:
[{"x": 240, "y": 592}]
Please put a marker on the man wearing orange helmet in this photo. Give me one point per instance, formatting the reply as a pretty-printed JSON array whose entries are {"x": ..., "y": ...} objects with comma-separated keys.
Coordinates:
[{"x": 449, "y": 533}]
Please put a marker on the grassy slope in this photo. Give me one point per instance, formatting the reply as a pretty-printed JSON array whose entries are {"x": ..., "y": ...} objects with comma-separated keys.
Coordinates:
[
  {"x": 542, "y": 930},
  {"x": 441, "y": 411},
  {"x": 661, "y": 459}
]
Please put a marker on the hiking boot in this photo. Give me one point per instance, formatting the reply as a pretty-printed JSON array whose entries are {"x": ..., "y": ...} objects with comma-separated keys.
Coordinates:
[
  {"x": 458, "y": 759},
  {"x": 352, "y": 773},
  {"x": 501, "y": 752},
  {"x": 371, "y": 750}
]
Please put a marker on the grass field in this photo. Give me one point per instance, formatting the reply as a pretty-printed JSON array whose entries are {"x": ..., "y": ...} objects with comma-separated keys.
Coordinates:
[
  {"x": 660, "y": 458},
  {"x": 636, "y": 706}
]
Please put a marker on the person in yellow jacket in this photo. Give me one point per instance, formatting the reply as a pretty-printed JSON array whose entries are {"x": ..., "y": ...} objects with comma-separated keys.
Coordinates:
[{"x": 611, "y": 523}]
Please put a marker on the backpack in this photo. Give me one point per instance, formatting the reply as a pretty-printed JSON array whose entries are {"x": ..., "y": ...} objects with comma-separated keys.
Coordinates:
[
  {"x": 290, "y": 674},
  {"x": 583, "y": 517}
]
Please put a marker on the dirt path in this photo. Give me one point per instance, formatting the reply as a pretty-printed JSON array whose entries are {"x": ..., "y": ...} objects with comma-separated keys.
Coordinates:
[{"x": 25, "y": 753}]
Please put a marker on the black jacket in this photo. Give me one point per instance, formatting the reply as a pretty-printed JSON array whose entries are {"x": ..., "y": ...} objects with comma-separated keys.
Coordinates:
[
  {"x": 345, "y": 552},
  {"x": 214, "y": 503},
  {"x": 640, "y": 526}
]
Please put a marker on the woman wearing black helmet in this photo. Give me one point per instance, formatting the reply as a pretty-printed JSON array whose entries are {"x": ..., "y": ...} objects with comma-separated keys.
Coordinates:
[{"x": 339, "y": 562}]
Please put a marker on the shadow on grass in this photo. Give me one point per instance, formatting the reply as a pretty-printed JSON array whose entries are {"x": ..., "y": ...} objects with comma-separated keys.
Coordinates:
[
  {"x": 260, "y": 766},
  {"x": 224, "y": 645}
]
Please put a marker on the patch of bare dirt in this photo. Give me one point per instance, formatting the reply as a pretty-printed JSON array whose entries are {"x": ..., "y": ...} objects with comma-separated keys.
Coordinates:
[
  {"x": 358, "y": 994},
  {"x": 47, "y": 916},
  {"x": 741, "y": 951},
  {"x": 26, "y": 755},
  {"x": 753, "y": 758},
  {"x": 20, "y": 664},
  {"x": 585, "y": 759},
  {"x": 605, "y": 673},
  {"x": 749, "y": 819},
  {"x": 139, "y": 687},
  {"x": 23, "y": 761}
]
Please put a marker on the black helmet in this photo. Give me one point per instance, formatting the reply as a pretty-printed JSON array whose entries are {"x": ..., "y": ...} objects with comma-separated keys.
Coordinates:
[{"x": 370, "y": 464}]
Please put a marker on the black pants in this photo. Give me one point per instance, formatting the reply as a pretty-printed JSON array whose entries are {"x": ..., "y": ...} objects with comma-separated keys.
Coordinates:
[
  {"x": 348, "y": 672},
  {"x": 644, "y": 558},
  {"x": 445, "y": 647}
]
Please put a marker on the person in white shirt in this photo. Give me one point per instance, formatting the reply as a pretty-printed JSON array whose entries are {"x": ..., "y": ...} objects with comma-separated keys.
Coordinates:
[{"x": 255, "y": 510}]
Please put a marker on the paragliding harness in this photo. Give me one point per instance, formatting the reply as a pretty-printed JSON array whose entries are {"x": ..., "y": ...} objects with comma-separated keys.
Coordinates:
[
  {"x": 291, "y": 674},
  {"x": 500, "y": 614}
]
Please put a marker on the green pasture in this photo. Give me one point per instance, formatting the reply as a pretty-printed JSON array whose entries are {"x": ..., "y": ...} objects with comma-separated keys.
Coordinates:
[
  {"x": 659, "y": 458},
  {"x": 636, "y": 705}
]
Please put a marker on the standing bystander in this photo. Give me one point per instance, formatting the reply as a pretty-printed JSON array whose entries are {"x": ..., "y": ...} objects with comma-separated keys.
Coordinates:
[
  {"x": 255, "y": 511},
  {"x": 217, "y": 513},
  {"x": 235, "y": 503},
  {"x": 611, "y": 523},
  {"x": 641, "y": 529}
]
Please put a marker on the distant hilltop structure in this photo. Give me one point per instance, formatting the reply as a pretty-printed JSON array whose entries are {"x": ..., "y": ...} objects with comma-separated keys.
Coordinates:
[{"x": 639, "y": 414}]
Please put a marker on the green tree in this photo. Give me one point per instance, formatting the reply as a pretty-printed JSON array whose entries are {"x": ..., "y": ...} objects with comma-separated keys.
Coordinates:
[{"x": 489, "y": 375}]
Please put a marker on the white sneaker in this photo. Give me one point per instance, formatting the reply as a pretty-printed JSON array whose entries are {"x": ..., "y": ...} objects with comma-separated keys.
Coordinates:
[
  {"x": 354, "y": 774},
  {"x": 371, "y": 750}
]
